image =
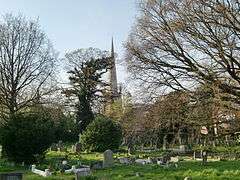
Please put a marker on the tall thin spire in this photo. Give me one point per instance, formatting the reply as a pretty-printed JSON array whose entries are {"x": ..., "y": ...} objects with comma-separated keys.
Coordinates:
[
  {"x": 113, "y": 94},
  {"x": 113, "y": 74},
  {"x": 112, "y": 49}
]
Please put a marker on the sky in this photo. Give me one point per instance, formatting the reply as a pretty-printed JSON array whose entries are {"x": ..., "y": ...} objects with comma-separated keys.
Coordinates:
[{"x": 73, "y": 24}]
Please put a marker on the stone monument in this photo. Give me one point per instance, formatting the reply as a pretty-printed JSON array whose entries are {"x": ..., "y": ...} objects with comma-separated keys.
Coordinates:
[
  {"x": 11, "y": 176},
  {"x": 108, "y": 159}
]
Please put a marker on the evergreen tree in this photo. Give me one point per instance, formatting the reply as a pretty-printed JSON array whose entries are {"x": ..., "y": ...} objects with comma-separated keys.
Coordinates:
[
  {"x": 84, "y": 114},
  {"x": 86, "y": 82}
]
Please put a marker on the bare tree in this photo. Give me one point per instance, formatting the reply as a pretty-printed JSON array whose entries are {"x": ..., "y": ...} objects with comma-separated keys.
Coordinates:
[
  {"x": 26, "y": 63},
  {"x": 76, "y": 58},
  {"x": 181, "y": 44}
]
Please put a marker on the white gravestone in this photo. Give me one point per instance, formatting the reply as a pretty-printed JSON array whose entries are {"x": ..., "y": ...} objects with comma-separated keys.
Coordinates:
[{"x": 41, "y": 173}]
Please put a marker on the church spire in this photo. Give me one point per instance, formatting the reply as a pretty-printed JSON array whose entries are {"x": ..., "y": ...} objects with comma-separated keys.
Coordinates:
[
  {"x": 113, "y": 73},
  {"x": 113, "y": 94},
  {"x": 112, "y": 49}
]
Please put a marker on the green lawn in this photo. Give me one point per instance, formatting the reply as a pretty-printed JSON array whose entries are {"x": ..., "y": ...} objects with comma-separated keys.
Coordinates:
[{"x": 213, "y": 170}]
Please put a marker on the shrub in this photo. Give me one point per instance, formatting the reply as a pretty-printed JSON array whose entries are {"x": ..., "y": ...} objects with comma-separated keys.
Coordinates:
[
  {"x": 25, "y": 138},
  {"x": 101, "y": 134},
  {"x": 66, "y": 129}
]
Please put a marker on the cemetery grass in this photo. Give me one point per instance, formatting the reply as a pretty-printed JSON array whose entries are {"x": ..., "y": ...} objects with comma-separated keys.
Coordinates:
[
  {"x": 213, "y": 170},
  {"x": 223, "y": 170}
]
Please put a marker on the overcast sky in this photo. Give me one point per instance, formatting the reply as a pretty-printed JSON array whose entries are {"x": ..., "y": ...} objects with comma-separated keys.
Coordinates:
[{"x": 72, "y": 24}]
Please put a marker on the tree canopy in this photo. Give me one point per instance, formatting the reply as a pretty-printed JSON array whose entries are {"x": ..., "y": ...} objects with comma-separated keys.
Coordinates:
[
  {"x": 27, "y": 63},
  {"x": 88, "y": 67},
  {"x": 181, "y": 44}
]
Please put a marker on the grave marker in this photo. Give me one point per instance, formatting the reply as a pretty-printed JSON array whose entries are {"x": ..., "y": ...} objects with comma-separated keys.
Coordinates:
[
  {"x": 108, "y": 159},
  {"x": 11, "y": 176}
]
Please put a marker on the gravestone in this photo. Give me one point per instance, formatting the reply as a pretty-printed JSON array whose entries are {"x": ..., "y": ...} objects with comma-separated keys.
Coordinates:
[
  {"x": 174, "y": 159},
  {"x": 82, "y": 172},
  {"x": 77, "y": 148},
  {"x": 164, "y": 142},
  {"x": 60, "y": 146},
  {"x": 149, "y": 160},
  {"x": 163, "y": 160},
  {"x": 144, "y": 161},
  {"x": 44, "y": 173},
  {"x": 183, "y": 148},
  {"x": 197, "y": 155},
  {"x": 141, "y": 161},
  {"x": 11, "y": 176},
  {"x": 204, "y": 157},
  {"x": 54, "y": 147},
  {"x": 64, "y": 166},
  {"x": 47, "y": 172},
  {"x": 108, "y": 159},
  {"x": 64, "y": 162},
  {"x": 124, "y": 160},
  {"x": 97, "y": 165}
]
